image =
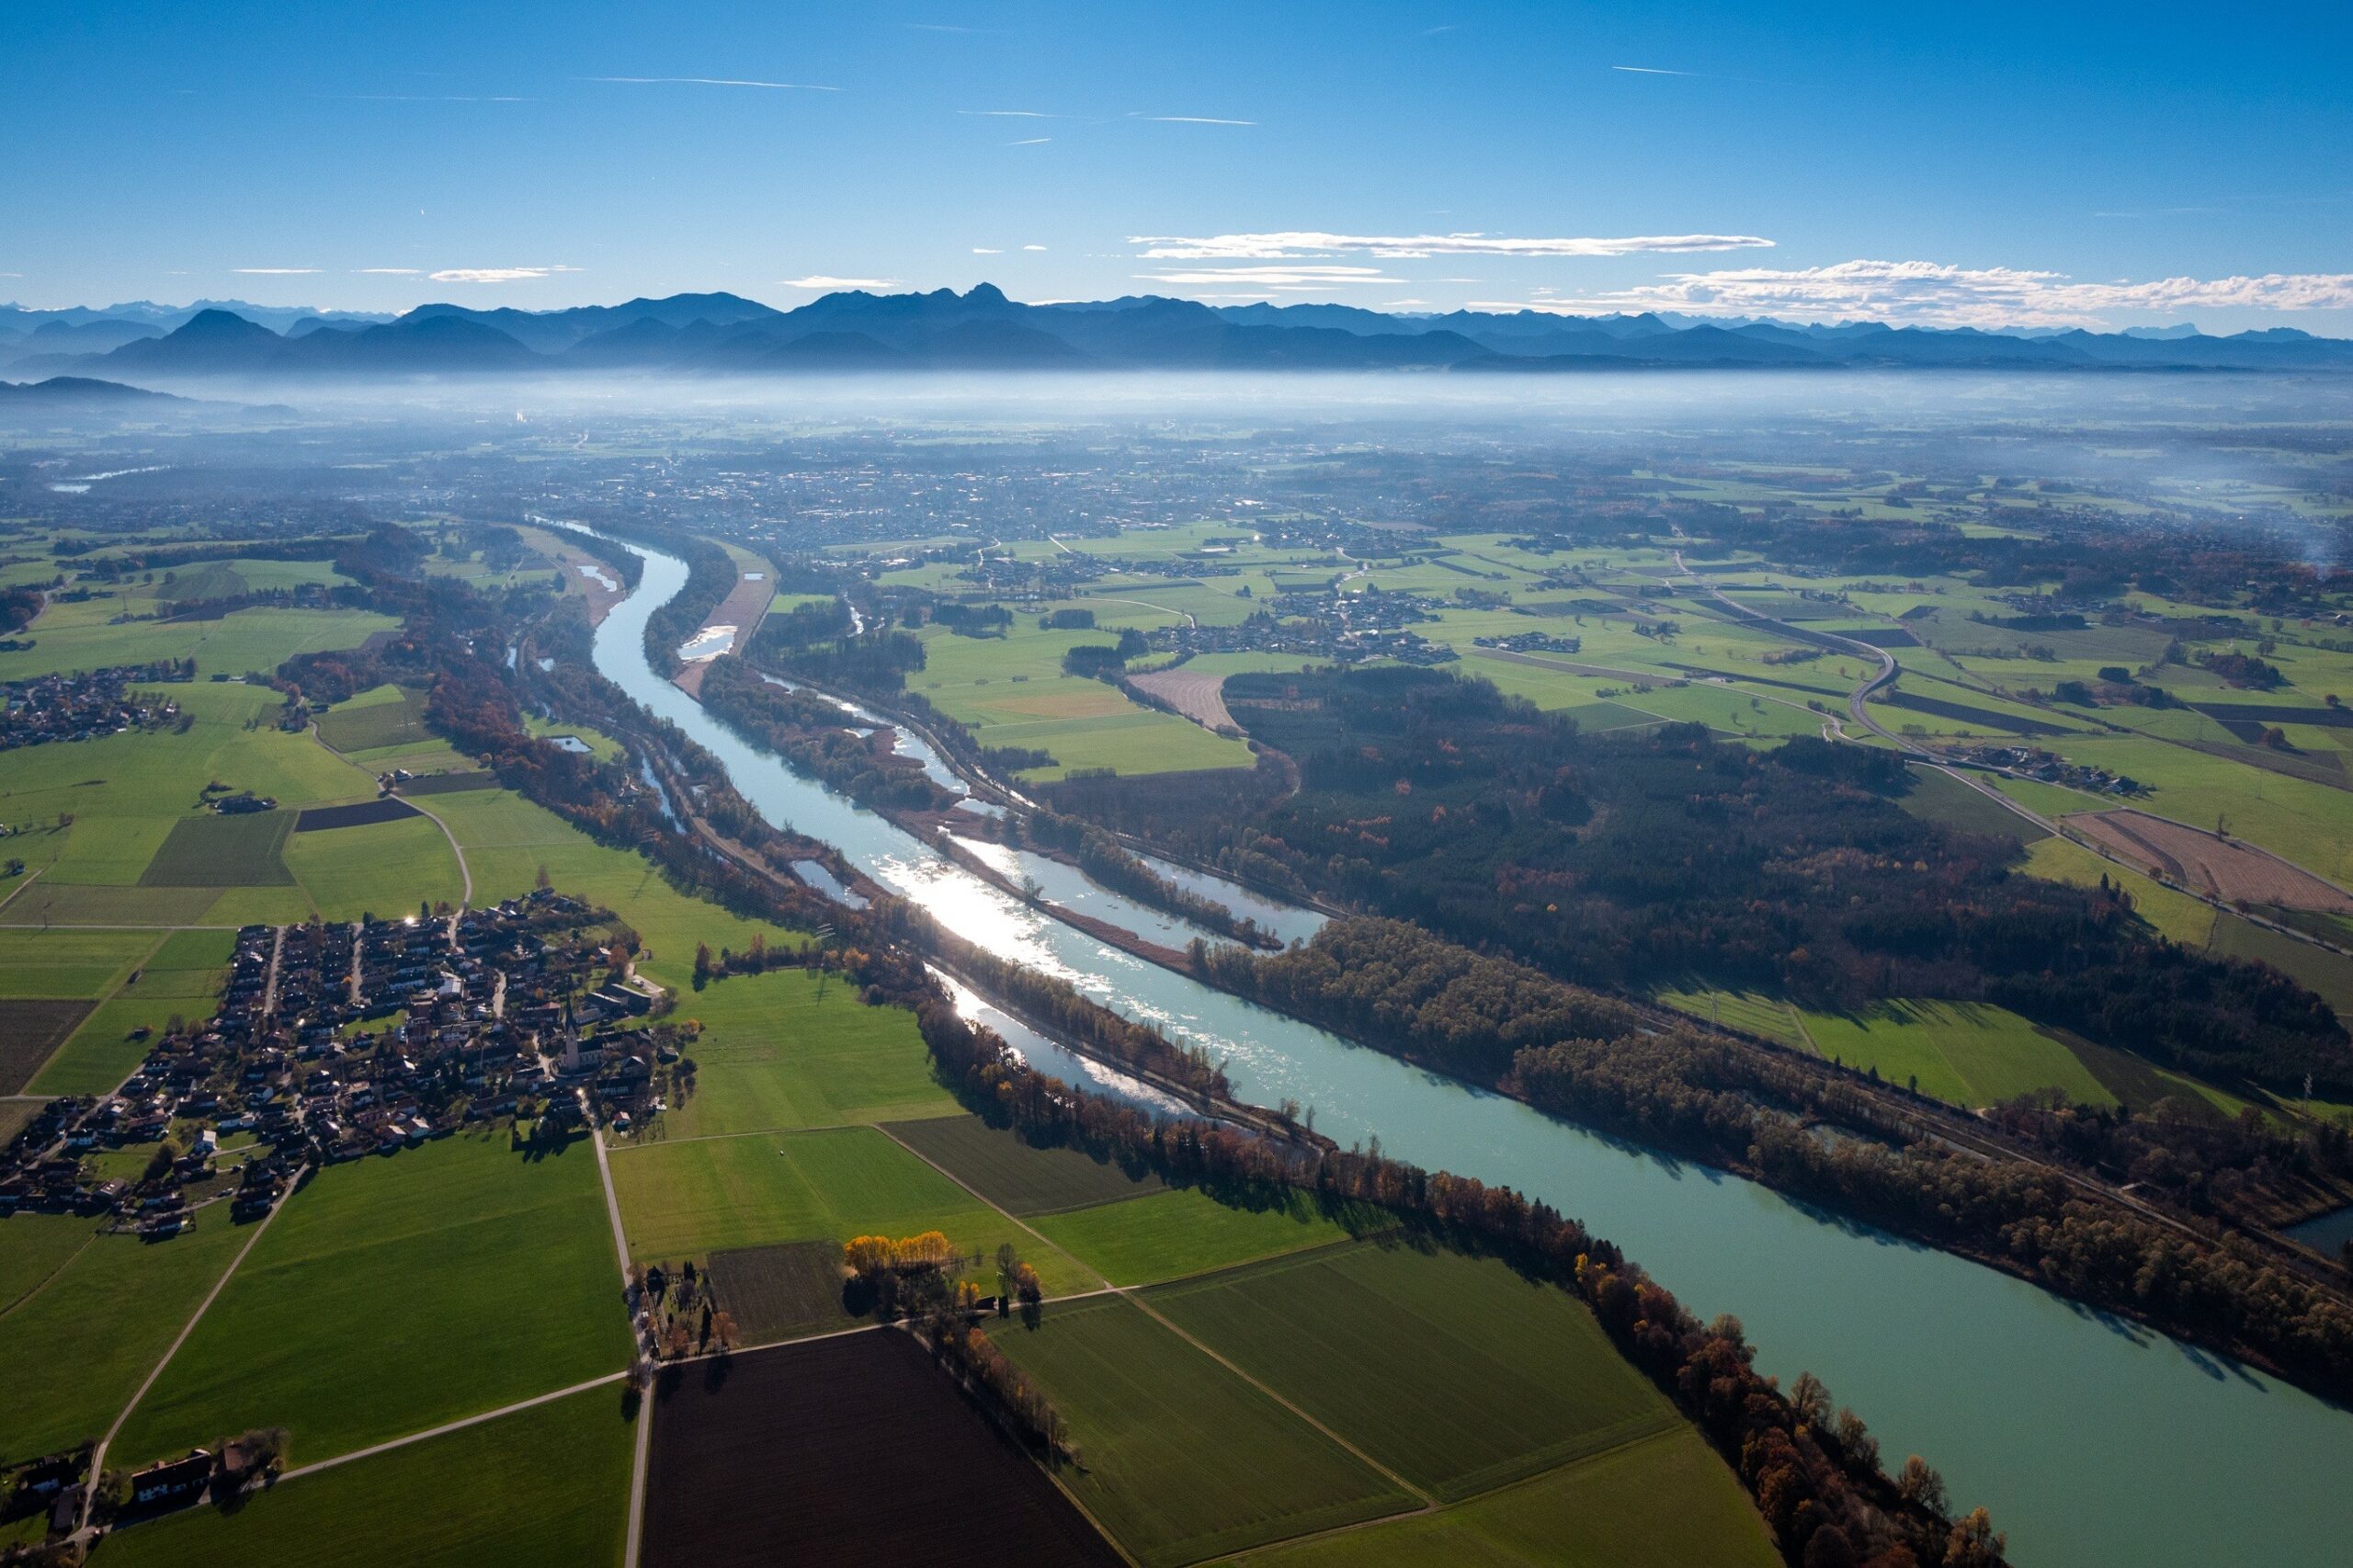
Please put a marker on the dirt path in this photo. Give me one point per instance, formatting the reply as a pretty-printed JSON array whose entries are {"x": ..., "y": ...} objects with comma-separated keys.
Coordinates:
[
  {"x": 982, "y": 1198},
  {"x": 465, "y": 872},
  {"x": 98, "y": 1454}
]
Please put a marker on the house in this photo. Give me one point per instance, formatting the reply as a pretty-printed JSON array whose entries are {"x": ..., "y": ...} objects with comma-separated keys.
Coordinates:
[{"x": 172, "y": 1482}]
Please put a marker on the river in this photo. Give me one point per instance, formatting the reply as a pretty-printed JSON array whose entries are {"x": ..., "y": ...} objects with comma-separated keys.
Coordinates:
[{"x": 2094, "y": 1442}]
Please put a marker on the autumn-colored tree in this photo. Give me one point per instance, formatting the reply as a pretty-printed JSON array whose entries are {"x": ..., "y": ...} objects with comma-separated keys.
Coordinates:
[
  {"x": 679, "y": 1341},
  {"x": 722, "y": 1329},
  {"x": 866, "y": 1256}
]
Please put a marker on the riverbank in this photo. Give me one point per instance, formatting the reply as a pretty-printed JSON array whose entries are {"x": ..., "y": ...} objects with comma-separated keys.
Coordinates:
[{"x": 2069, "y": 1426}]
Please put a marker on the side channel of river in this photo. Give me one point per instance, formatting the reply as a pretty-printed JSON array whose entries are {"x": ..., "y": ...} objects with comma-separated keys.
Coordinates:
[{"x": 2094, "y": 1442}]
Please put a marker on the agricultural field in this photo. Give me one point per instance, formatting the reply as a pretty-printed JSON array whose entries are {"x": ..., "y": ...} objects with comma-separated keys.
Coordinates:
[
  {"x": 1664, "y": 1502},
  {"x": 789, "y": 1048},
  {"x": 2214, "y": 867},
  {"x": 2170, "y": 912},
  {"x": 181, "y": 976},
  {"x": 1939, "y": 797},
  {"x": 1166, "y": 1235},
  {"x": 213, "y": 851},
  {"x": 1012, "y": 691},
  {"x": 243, "y": 642},
  {"x": 79, "y": 1345},
  {"x": 374, "y": 868},
  {"x": 117, "y": 831},
  {"x": 689, "y": 1199},
  {"x": 383, "y": 718},
  {"x": 1452, "y": 1371},
  {"x": 886, "y": 1461},
  {"x": 1024, "y": 1180},
  {"x": 545, "y": 1484},
  {"x": 789, "y": 1290},
  {"x": 1183, "y": 1459},
  {"x": 391, "y": 1295},
  {"x": 30, "y": 1030},
  {"x": 34, "y": 1246}
]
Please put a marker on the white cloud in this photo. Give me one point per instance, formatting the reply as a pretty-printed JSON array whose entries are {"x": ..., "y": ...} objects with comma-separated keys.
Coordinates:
[
  {"x": 987, "y": 250},
  {"x": 1191, "y": 120},
  {"x": 1274, "y": 277},
  {"x": 707, "y": 82},
  {"x": 1033, "y": 247},
  {"x": 1938, "y": 294},
  {"x": 1653, "y": 71},
  {"x": 821, "y": 282},
  {"x": 495, "y": 274},
  {"x": 1291, "y": 243},
  {"x": 1030, "y": 141},
  {"x": 275, "y": 271}
]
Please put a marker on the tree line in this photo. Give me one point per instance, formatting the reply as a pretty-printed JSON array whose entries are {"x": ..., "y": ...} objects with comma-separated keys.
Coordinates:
[{"x": 1816, "y": 1476}]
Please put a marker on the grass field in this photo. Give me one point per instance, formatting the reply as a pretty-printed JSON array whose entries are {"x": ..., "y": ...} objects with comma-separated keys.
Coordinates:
[
  {"x": 1666, "y": 1502},
  {"x": 247, "y": 641},
  {"x": 394, "y": 1294},
  {"x": 183, "y": 975},
  {"x": 69, "y": 963},
  {"x": 508, "y": 840},
  {"x": 1018, "y": 1178},
  {"x": 34, "y": 1246},
  {"x": 1751, "y": 1011},
  {"x": 1939, "y": 797},
  {"x": 214, "y": 851},
  {"x": 377, "y": 867},
  {"x": 773, "y": 1056},
  {"x": 2170, "y": 912},
  {"x": 78, "y": 1347},
  {"x": 1453, "y": 1371},
  {"x": 14, "y": 1114},
  {"x": 126, "y": 797},
  {"x": 547, "y": 1484},
  {"x": 1169, "y": 1234},
  {"x": 385, "y": 716},
  {"x": 1011, "y": 691},
  {"x": 685, "y": 1199},
  {"x": 2328, "y": 975},
  {"x": 1182, "y": 1459},
  {"x": 1970, "y": 1054}
]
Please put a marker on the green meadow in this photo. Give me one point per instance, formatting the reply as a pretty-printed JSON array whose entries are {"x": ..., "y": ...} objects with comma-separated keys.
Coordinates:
[
  {"x": 689, "y": 1199},
  {"x": 1182, "y": 1457},
  {"x": 781, "y": 1051},
  {"x": 1970, "y": 1054},
  {"x": 393, "y": 1294},
  {"x": 79, "y": 1345},
  {"x": 1166, "y": 1235},
  {"x": 1453, "y": 1371},
  {"x": 547, "y": 1484},
  {"x": 1664, "y": 1502}
]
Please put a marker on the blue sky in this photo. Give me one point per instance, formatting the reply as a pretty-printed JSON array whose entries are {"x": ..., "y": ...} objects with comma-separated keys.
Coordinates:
[{"x": 1985, "y": 163}]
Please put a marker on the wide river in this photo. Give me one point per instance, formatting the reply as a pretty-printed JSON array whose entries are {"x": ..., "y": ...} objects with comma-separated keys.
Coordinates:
[{"x": 2093, "y": 1441}]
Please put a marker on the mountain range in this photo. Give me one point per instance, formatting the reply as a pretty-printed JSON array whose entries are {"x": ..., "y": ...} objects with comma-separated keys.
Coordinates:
[{"x": 712, "y": 335}]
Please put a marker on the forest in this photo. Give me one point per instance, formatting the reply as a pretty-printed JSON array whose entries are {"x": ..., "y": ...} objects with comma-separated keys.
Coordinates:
[
  {"x": 1592, "y": 1060},
  {"x": 1630, "y": 862}
]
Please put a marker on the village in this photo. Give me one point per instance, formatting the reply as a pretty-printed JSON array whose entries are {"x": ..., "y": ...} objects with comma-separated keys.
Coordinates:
[
  {"x": 83, "y": 705},
  {"x": 332, "y": 1043}
]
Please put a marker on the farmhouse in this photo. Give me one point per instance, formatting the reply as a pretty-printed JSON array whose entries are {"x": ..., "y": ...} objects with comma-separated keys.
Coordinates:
[{"x": 172, "y": 1482}]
